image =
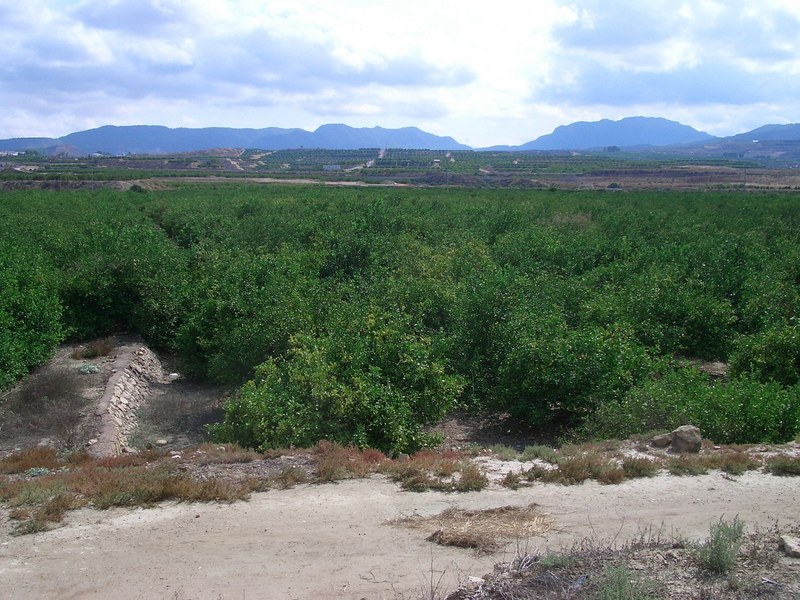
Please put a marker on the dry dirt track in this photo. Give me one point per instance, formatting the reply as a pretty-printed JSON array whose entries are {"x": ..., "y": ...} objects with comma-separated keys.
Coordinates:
[{"x": 333, "y": 541}]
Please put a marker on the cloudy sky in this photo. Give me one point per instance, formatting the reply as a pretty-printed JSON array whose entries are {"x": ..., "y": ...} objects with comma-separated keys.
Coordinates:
[{"x": 484, "y": 72}]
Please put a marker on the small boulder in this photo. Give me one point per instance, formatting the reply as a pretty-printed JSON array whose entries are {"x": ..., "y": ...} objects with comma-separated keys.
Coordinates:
[
  {"x": 661, "y": 441},
  {"x": 686, "y": 438},
  {"x": 162, "y": 442},
  {"x": 790, "y": 545}
]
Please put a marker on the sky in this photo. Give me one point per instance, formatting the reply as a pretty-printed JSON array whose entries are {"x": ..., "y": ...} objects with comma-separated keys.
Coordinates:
[{"x": 484, "y": 73}]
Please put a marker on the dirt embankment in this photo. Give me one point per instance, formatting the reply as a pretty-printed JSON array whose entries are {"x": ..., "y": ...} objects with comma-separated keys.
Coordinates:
[{"x": 133, "y": 371}]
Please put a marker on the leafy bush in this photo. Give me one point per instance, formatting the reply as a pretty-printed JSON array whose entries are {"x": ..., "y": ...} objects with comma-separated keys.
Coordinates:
[
  {"x": 552, "y": 373},
  {"x": 770, "y": 355},
  {"x": 373, "y": 383},
  {"x": 739, "y": 411},
  {"x": 30, "y": 312}
]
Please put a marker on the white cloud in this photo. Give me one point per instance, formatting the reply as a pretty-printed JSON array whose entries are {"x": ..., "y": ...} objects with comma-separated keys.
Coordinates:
[{"x": 504, "y": 73}]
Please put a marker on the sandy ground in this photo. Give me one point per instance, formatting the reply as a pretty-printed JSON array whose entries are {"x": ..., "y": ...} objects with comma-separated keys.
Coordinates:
[{"x": 336, "y": 540}]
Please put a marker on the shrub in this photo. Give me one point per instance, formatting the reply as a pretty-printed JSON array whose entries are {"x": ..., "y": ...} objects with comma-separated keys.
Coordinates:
[
  {"x": 784, "y": 465},
  {"x": 619, "y": 582},
  {"x": 770, "y": 355},
  {"x": 640, "y": 467},
  {"x": 504, "y": 452},
  {"x": 377, "y": 386},
  {"x": 546, "y": 453},
  {"x": 552, "y": 373},
  {"x": 30, "y": 311},
  {"x": 742, "y": 410},
  {"x": 733, "y": 463},
  {"x": 471, "y": 479},
  {"x": 511, "y": 480},
  {"x": 719, "y": 552}
]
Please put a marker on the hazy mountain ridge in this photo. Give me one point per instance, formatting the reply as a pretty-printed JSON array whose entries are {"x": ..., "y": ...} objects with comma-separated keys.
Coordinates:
[
  {"x": 156, "y": 139},
  {"x": 630, "y": 132}
]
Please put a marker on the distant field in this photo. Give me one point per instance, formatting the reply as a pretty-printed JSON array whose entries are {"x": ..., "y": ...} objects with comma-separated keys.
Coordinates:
[{"x": 564, "y": 170}]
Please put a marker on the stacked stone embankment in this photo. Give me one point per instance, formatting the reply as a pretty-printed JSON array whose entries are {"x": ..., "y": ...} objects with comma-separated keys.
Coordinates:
[{"x": 133, "y": 373}]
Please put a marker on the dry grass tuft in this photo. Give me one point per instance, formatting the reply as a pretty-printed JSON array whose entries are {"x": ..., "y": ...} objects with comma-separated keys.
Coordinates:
[
  {"x": 590, "y": 465},
  {"x": 640, "y": 467},
  {"x": 210, "y": 454},
  {"x": 784, "y": 465},
  {"x": 95, "y": 348},
  {"x": 336, "y": 462},
  {"x": 483, "y": 530},
  {"x": 731, "y": 462},
  {"x": 429, "y": 470},
  {"x": 48, "y": 492},
  {"x": 290, "y": 476},
  {"x": 47, "y": 401},
  {"x": 32, "y": 458}
]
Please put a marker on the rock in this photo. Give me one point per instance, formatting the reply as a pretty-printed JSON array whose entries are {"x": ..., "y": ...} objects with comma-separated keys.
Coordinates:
[
  {"x": 174, "y": 376},
  {"x": 790, "y": 545},
  {"x": 686, "y": 438},
  {"x": 91, "y": 442},
  {"x": 162, "y": 442},
  {"x": 403, "y": 457},
  {"x": 129, "y": 450},
  {"x": 661, "y": 441}
]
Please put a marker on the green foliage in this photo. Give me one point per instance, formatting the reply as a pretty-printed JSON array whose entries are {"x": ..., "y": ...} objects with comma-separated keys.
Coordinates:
[
  {"x": 719, "y": 552},
  {"x": 245, "y": 308},
  {"x": 619, "y": 582},
  {"x": 784, "y": 465},
  {"x": 374, "y": 382},
  {"x": 371, "y": 311},
  {"x": 554, "y": 373},
  {"x": 741, "y": 410},
  {"x": 30, "y": 312},
  {"x": 770, "y": 355}
]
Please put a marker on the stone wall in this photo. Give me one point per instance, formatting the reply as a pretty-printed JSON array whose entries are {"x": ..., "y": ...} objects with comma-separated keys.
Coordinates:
[{"x": 128, "y": 387}]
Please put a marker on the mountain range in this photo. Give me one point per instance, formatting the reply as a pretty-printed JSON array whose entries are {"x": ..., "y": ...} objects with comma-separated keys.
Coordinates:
[
  {"x": 155, "y": 139},
  {"x": 630, "y": 132}
]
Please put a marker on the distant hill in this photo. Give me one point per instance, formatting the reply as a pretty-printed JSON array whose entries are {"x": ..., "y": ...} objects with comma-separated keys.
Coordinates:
[
  {"x": 153, "y": 139},
  {"x": 774, "y": 141},
  {"x": 769, "y": 133},
  {"x": 625, "y": 133}
]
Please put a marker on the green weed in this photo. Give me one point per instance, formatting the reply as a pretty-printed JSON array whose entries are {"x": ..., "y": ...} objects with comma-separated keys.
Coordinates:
[{"x": 719, "y": 552}]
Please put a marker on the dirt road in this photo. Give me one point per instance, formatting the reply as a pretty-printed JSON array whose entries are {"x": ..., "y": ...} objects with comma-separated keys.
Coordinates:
[{"x": 335, "y": 541}]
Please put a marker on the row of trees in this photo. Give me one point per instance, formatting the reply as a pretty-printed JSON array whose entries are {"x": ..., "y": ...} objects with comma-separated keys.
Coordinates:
[{"x": 361, "y": 315}]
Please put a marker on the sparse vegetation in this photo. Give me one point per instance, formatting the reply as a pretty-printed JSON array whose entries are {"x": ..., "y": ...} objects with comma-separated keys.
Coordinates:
[
  {"x": 95, "y": 348},
  {"x": 784, "y": 465},
  {"x": 504, "y": 452},
  {"x": 640, "y": 467},
  {"x": 619, "y": 582},
  {"x": 545, "y": 453},
  {"x": 731, "y": 462},
  {"x": 719, "y": 552}
]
